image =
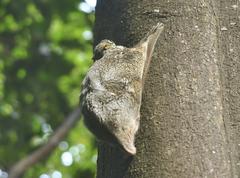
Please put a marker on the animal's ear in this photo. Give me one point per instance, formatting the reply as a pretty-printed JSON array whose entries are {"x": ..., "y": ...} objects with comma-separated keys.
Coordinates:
[{"x": 148, "y": 44}]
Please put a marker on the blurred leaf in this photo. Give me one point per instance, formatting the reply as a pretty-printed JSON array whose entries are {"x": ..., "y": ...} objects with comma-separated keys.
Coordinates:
[{"x": 45, "y": 51}]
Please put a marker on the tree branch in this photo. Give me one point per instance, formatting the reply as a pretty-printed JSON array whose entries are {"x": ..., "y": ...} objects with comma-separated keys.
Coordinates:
[{"x": 21, "y": 166}]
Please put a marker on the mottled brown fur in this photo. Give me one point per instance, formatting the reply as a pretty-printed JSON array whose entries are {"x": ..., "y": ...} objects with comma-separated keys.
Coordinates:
[{"x": 112, "y": 90}]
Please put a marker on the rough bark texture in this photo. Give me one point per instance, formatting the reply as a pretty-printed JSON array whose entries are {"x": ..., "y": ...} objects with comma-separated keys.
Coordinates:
[
  {"x": 190, "y": 115},
  {"x": 230, "y": 70}
]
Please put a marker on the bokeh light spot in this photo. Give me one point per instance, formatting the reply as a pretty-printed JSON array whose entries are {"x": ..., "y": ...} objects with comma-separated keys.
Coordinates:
[
  {"x": 87, "y": 35},
  {"x": 44, "y": 176},
  {"x": 74, "y": 150},
  {"x": 91, "y": 3},
  {"x": 56, "y": 174},
  {"x": 63, "y": 145},
  {"x": 67, "y": 159},
  {"x": 83, "y": 6},
  {"x": 82, "y": 148}
]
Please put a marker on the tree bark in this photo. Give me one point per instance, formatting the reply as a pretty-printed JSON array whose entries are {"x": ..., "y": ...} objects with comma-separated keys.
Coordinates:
[
  {"x": 190, "y": 114},
  {"x": 230, "y": 50}
]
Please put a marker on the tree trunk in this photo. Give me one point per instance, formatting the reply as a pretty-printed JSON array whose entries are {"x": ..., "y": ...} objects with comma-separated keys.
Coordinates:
[
  {"x": 230, "y": 71},
  {"x": 190, "y": 114}
]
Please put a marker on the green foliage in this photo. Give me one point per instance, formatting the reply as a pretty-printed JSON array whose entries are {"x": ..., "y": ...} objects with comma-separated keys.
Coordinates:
[{"x": 45, "y": 51}]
